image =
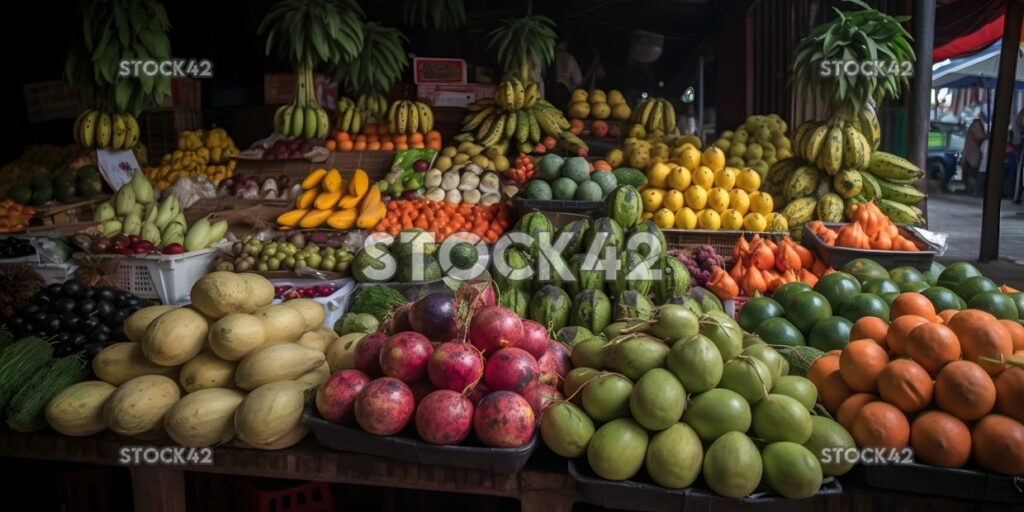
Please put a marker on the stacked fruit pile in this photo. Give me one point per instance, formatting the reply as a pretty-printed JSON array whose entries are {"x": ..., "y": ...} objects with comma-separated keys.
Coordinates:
[
  {"x": 134, "y": 223},
  {"x": 487, "y": 158},
  {"x": 762, "y": 266},
  {"x": 64, "y": 187},
  {"x": 869, "y": 229},
  {"x": 494, "y": 386},
  {"x": 353, "y": 115},
  {"x": 14, "y": 217},
  {"x": 199, "y": 153},
  {"x": 703, "y": 193},
  {"x": 943, "y": 383},
  {"x": 375, "y": 137},
  {"x": 302, "y": 117},
  {"x": 654, "y": 116},
  {"x": 838, "y": 165},
  {"x": 119, "y": 130},
  {"x": 243, "y": 363},
  {"x": 38, "y": 157},
  {"x": 759, "y": 142},
  {"x": 517, "y": 115},
  {"x": 641, "y": 150},
  {"x": 568, "y": 179},
  {"x": 598, "y": 105},
  {"x": 464, "y": 183},
  {"x": 444, "y": 219},
  {"x": 296, "y": 252},
  {"x": 663, "y": 389},
  {"x": 327, "y": 200}
]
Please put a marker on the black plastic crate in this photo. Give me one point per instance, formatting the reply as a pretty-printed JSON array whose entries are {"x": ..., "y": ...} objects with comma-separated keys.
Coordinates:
[
  {"x": 967, "y": 484},
  {"x": 407, "y": 447},
  {"x": 836, "y": 257},
  {"x": 524, "y": 206}
]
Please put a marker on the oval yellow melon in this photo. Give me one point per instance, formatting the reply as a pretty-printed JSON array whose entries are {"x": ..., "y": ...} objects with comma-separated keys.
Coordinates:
[
  {"x": 136, "y": 324},
  {"x": 206, "y": 370},
  {"x": 139, "y": 405},
  {"x": 270, "y": 412},
  {"x": 78, "y": 409},
  {"x": 121, "y": 362},
  {"x": 261, "y": 290},
  {"x": 272, "y": 363},
  {"x": 319, "y": 339},
  {"x": 281, "y": 323},
  {"x": 175, "y": 337},
  {"x": 218, "y": 294},
  {"x": 204, "y": 418},
  {"x": 235, "y": 335},
  {"x": 341, "y": 355},
  {"x": 317, "y": 376},
  {"x": 311, "y": 310}
]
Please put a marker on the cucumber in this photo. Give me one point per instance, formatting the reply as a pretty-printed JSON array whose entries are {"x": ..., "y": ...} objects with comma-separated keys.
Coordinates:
[
  {"x": 25, "y": 412},
  {"x": 18, "y": 363}
]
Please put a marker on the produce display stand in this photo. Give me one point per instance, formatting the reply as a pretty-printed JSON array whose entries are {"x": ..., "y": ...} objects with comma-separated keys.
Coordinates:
[
  {"x": 838, "y": 257},
  {"x": 375, "y": 163},
  {"x": 69, "y": 213},
  {"x": 961, "y": 483}
]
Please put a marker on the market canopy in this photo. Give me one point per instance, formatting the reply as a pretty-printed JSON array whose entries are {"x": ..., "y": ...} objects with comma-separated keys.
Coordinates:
[{"x": 980, "y": 69}]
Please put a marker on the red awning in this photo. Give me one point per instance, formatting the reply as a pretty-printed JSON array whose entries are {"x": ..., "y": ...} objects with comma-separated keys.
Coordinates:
[{"x": 976, "y": 41}]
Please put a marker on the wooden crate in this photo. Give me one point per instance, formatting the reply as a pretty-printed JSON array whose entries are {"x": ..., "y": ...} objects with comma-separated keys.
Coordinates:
[{"x": 70, "y": 213}]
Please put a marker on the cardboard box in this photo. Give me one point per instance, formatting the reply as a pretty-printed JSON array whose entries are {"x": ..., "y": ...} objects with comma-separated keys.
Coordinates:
[
  {"x": 453, "y": 95},
  {"x": 278, "y": 87},
  {"x": 429, "y": 70}
]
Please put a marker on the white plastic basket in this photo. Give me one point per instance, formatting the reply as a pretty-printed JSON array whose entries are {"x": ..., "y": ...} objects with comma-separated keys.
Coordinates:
[
  {"x": 55, "y": 273},
  {"x": 166, "y": 277},
  {"x": 335, "y": 305}
]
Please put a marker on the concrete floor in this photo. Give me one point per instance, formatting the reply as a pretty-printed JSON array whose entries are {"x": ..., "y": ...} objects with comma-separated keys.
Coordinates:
[{"x": 959, "y": 216}]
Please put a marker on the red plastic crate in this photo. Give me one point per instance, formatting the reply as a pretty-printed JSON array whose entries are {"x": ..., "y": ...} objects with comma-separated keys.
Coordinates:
[{"x": 305, "y": 497}]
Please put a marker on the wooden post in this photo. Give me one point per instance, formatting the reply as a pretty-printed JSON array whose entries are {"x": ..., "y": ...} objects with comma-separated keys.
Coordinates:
[
  {"x": 1001, "y": 116},
  {"x": 158, "y": 489},
  {"x": 921, "y": 87}
]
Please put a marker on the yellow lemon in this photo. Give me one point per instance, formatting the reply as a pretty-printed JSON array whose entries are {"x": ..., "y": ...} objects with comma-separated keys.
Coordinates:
[
  {"x": 696, "y": 197},
  {"x": 714, "y": 158},
  {"x": 761, "y": 202},
  {"x": 690, "y": 157},
  {"x": 578, "y": 95},
  {"x": 621, "y": 111},
  {"x": 739, "y": 201},
  {"x": 614, "y": 158},
  {"x": 615, "y": 97},
  {"x": 726, "y": 178},
  {"x": 657, "y": 175},
  {"x": 597, "y": 96},
  {"x": 748, "y": 180},
  {"x": 646, "y": 216},
  {"x": 673, "y": 200},
  {"x": 718, "y": 199},
  {"x": 664, "y": 219},
  {"x": 686, "y": 219},
  {"x": 703, "y": 176},
  {"x": 732, "y": 220},
  {"x": 652, "y": 198},
  {"x": 679, "y": 178},
  {"x": 709, "y": 219},
  {"x": 754, "y": 221}
]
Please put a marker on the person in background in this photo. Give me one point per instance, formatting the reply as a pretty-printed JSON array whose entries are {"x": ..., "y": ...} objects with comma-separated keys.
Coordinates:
[{"x": 975, "y": 157}]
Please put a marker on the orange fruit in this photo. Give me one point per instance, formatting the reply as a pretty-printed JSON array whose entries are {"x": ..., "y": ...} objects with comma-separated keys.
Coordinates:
[
  {"x": 860, "y": 363},
  {"x": 871, "y": 328},
  {"x": 940, "y": 439},
  {"x": 965, "y": 390},
  {"x": 906, "y": 385},
  {"x": 880, "y": 425}
]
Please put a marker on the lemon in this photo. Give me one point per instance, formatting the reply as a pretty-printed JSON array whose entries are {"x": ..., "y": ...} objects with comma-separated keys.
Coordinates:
[
  {"x": 739, "y": 201},
  {"x": 652, "y": 198},
  {"x": 761, "y": 202},
  {"x": 696, "y": 197},
  {"x": 614, "y": 158},
  {"x": 709, "y": 219},
  {"x": 726, "y": 178},
  {"x": 748, "y": 180},
  {"x": 673, "y": 200},
  {"x": 657, "y": 175},
  {"x": 718, "y": 199},
  {"x": 714, "y": 158},
  {"x": 732, "y": 220},
  {"x": 646, "y": 216},
  {"x": 578, "y": 95},
  {"x": 755, "y": 222},
  {"x": 621, "y": 111},
  {"x": 690, "y": 156},
  {"x": 686, "y": 219},
  {"x": 664, "y": 219},
  {"x": 679, "y": 178},
  {"x": 703, "y": 176}
]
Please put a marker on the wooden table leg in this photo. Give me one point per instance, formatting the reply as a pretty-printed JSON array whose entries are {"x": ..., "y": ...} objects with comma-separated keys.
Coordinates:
[{"x": 157, "y": 489}]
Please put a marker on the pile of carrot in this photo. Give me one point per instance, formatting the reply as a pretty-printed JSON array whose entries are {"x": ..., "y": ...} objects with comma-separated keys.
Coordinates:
[
  {"x": 444, "y": 219},
  {"x": 869, "y": 229}
]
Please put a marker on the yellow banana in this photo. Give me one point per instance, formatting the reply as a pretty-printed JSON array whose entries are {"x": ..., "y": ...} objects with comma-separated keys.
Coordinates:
[
  {"x": 532, "y": 95},
  {"x": 520, "y": 93},
  {"x": 413, "y": 124},
  {"x": 119, "y": 132},
  {"x": 103, "y": 131},
  {"x": 133, "y": 132},
  {"x": 426, "y": 116},
  {"x": 815, "y": 141},
  {"x": 88, "y": 129},
  {"x": 323, "y": 123}
]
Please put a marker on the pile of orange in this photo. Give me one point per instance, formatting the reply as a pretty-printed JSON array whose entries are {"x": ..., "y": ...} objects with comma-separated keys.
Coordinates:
[
  {"x": 375, "y": 137},
  {"x": 950, "y": 385},
  {"x": 444, "y": 219},
  {"x": 14, "y": 217}
]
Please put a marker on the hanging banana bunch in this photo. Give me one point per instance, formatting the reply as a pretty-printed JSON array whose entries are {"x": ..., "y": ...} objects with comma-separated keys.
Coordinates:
[{"x": 311, "y": 33}]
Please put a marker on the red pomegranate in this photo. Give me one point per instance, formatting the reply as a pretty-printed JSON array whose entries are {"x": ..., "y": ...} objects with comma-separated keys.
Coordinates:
[
  {"x": 384, "y": 407},
  {"x": 540, "y": 396},
  {"x": 444, "y": 417},
  {"x": 494, "y": 328},
  {"x": 504, "y": 419},
  {"x": 456, "y": 366},
  {"x": 336, "y": 397},
  {"x": 404, "y": 356},
  {"x": 535, "y": 339},
  {"x": 511, "y": 369},
  {"x": 367, "y": 354},
  {"x": 555, "y": 364}
]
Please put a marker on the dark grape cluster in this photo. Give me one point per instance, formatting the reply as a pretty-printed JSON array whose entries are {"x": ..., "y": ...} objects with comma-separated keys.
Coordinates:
[{"x": 701, "y": 262}]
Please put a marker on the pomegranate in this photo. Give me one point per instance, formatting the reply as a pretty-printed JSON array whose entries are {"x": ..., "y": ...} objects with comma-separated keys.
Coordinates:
[
  {"x": 478, "y": 393},
  {"x": 404, "y": 356},
  {"x": 384, "y": 407},
  {"x": 474, "y": 295},
  {"x": 555, "y": 364},
  {"x": 444, "y": 417},
  {"x": 421, "y": 389},
  {"x": 495, "y": 328},
  {"x": 535, "y": 339},
  {"x": 434, "y": 316},
  {"x": 456, "y": 366},
  {"x": 504, "y": 419},
  {"x": 540, "y": 396},
  {"x": 336, "y": 397},
  {"x": 511, "y": 369},
  {"x": 399, "y": 321},
  {"x": 367, "y": 354}
]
